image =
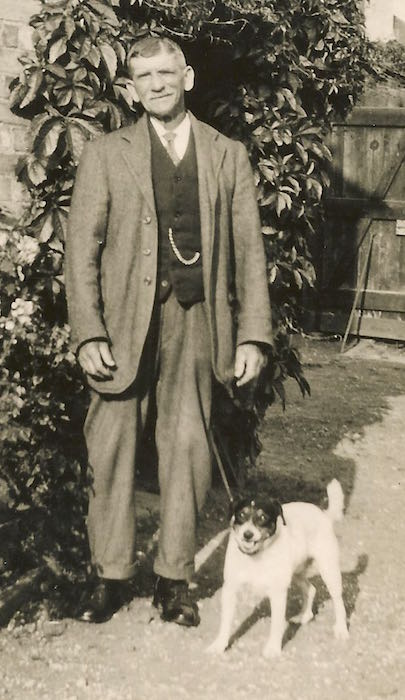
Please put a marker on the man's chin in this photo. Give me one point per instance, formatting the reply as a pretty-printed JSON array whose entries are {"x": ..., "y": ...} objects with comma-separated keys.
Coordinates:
[{"x": 163, "y": 113}]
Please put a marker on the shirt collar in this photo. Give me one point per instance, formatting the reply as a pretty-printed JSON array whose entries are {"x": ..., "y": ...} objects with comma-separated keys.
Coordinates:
[{"x": 182, "y": 130}]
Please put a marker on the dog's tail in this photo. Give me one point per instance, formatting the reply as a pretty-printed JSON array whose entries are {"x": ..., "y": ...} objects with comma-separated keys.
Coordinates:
[{"x": 336, "y": 500}]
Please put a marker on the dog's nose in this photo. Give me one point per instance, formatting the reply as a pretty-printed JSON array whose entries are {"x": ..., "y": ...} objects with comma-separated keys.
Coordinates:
[{"x": 248, "y": 535}]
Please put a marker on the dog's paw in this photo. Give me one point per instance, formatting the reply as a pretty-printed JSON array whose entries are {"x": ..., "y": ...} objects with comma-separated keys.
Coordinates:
[
  {"x": 271, "y": 651},
  {"x": 301, "y": 618},
  {"x": 340, "y": 631},
  {"x": 218, "y": 646}
]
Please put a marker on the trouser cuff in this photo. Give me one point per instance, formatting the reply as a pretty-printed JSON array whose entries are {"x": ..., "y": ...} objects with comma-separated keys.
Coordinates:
[
  {"x": 184, "y": 574},
  {"x": 119, "y": 573}
]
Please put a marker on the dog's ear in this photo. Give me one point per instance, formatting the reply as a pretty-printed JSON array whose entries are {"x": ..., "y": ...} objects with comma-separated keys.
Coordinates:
[
  {"x": 234, "y": 504},
  {"x": 280, "y": 512},
  {"x": 275, "y": 509}
]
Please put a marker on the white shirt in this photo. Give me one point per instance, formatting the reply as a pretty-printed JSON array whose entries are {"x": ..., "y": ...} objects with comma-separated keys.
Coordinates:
[{"x": 181, "y": 134}]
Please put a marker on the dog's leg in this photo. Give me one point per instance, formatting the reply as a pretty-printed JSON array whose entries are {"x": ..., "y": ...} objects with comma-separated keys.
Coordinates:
[
  {"x": 228, "y": 603},
  {"x": 278, "y": 602},
  {"x": 308, "y": 594},
  {"x": 330, "y": 572}
]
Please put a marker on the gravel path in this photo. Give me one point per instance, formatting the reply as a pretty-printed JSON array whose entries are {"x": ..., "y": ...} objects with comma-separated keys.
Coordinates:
[{"x": 134, "y": 657}]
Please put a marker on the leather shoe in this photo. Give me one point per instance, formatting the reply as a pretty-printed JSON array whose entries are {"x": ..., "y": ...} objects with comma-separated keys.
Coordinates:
[
  {"x": 103, "y": 602},
  {"x": 173, "y": 600}
]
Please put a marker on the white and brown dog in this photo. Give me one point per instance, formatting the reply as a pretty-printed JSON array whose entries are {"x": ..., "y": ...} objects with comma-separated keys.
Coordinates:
[{"x": 268, "y": 545}]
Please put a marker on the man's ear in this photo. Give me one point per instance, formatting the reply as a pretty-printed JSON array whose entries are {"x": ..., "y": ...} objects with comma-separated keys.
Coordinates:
[
  {"x": 133, "y": 89},
  {"x": 134, "y": 92},
  {"x": 189, "y": 77}
]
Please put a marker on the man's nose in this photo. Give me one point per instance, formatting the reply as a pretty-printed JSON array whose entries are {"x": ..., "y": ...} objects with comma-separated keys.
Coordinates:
[{"x": 156, "y": 83}]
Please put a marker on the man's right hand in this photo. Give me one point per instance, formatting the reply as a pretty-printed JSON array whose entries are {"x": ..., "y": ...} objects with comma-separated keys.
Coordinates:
[{"x": 96, "y": 359}]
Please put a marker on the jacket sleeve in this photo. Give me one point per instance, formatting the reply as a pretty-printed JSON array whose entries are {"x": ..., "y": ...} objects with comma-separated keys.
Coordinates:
[
  {"x": 254, "y": 316},
  {"x": 84, "y": 242}
]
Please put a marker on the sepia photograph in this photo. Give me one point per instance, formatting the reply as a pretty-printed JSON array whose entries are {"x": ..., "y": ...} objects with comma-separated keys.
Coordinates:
[{"x": 202, "y": 349}]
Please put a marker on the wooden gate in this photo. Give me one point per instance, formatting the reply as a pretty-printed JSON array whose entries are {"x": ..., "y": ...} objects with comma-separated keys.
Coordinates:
[{"x": 364, "y": 244}]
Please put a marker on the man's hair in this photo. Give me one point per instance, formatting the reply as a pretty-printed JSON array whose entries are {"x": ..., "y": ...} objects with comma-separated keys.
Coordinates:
[{"x": 152, "y": 46}]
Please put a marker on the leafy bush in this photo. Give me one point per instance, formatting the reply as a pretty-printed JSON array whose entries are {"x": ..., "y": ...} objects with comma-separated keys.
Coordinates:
[
  {"x": 42, "y": 401},
  {"x": 270, "y": 72},
  {"x": 388, "y": 60}
]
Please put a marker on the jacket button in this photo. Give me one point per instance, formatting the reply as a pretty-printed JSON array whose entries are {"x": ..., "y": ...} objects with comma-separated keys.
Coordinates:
[
  {"x": 148, "y": 280},
  {"x": 164, "y": 283},
  {"x": 147, "y": 251},
  {"x": 147, "y": 220}
]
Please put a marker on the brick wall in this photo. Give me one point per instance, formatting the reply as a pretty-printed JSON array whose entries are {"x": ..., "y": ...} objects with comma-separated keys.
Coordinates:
[{"x": 15, "y": 38}]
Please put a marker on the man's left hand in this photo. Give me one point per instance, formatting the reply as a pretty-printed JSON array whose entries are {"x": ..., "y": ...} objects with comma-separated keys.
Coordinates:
[{"x": 249, "y": 362}]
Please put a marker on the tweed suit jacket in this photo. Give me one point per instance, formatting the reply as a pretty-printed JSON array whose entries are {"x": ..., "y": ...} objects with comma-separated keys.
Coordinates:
[{"x": 112, "y": 241}]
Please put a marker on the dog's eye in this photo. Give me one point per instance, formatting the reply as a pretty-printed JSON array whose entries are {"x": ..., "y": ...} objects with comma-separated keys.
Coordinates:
[
  {"x": 241, "y": 516},
  {"x": 262, "y": 517}
]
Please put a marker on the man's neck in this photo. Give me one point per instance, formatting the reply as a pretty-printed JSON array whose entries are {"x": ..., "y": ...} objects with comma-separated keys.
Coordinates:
[{"x": 171, "y": 122}]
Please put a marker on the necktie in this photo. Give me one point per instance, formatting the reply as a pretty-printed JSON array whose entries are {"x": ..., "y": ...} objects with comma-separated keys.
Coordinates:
[{"x": 169, "y": 137}]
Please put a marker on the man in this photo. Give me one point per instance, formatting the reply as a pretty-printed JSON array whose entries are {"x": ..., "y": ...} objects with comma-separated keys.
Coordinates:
[{"x": 167, "y": 290}]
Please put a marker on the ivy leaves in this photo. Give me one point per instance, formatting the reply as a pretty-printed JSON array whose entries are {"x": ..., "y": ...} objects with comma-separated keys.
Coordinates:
[
  {"x": 73, "y": 89},
  {"x": 308, "y": 65}
]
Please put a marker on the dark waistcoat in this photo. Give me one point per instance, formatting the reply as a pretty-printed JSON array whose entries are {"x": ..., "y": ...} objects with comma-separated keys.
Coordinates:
[{"x": 178, "y": 209}]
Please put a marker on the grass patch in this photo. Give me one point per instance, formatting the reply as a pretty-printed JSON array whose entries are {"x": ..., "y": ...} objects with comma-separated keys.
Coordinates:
[{"x": 298, "y": 458}]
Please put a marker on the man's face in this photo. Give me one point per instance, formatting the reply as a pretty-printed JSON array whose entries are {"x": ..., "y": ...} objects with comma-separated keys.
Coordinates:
[{"x": 160, "y": 82}]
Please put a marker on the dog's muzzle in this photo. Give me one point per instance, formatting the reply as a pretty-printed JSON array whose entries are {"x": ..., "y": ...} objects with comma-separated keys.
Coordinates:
[{"x": 248, "y": 542}]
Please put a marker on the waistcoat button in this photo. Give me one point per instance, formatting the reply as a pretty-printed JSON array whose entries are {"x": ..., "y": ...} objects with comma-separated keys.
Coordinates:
[
  {"x": 147, "y": 220},
  {"x": 147, "y": 251},
  {"x": 148, "y": 280}
]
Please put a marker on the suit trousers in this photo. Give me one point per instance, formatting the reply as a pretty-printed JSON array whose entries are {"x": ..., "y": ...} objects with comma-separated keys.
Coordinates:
[{"x": 176, "y": 373}]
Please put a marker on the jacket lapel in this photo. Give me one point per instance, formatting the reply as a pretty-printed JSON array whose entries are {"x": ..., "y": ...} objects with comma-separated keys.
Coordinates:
[
  {"x": 210, "y": 154},
  {"x": 136, "y": 153}
]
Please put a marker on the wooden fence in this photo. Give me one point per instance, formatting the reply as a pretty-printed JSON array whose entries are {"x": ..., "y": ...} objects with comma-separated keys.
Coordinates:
[{"x": 364, "y": 242}]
